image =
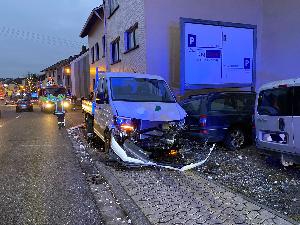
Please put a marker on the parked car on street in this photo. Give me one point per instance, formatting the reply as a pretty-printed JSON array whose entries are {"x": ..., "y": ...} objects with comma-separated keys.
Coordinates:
[
  {"x": 24, "y": 105},
  {"x": 10, "y": 102},
  {"x": 277, "y": 119},
  {"x": 221, "y": 117}
]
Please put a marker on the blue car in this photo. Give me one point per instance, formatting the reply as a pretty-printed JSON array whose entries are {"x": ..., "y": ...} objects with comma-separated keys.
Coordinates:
[{"x": 221, "y": 117}]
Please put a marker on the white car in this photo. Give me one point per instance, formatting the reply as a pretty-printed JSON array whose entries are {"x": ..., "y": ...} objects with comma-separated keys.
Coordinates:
[
  {"x": 136, "y": 115},
  {"x": 277, "y": 120}
]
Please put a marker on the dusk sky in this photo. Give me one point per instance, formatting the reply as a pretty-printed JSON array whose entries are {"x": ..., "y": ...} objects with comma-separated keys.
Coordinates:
[{"x": 35, "y": 34}]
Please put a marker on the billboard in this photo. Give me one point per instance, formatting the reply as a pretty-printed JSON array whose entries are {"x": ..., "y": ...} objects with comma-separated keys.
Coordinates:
[{"x": 216, "y": 54}]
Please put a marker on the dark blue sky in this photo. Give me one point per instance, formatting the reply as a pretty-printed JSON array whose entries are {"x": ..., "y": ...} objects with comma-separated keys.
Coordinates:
[{"x": 37, "y": 33}]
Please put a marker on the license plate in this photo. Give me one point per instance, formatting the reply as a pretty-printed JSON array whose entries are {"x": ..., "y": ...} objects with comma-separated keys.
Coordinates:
[{"x": 280, "y": 138}]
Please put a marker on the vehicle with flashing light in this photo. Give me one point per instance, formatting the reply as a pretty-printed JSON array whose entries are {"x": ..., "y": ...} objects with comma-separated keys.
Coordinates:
[
  {"x": 221, "y": 117},
  {"x": 277, "y": 118},
  {"x": 24, "y": 105},
  {"x": 138, "y": 119},
  {"x": 34, "y": 98},
  {"x": 48, "y": 96},
  {"x": 2, "y": 93}
]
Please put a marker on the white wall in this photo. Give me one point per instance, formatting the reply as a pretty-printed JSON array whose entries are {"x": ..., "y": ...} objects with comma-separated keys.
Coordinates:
[
  {"x": 163, "y": 28},
  {"x": 281, "y": 40},
  {"x": 94, "y": 36}
]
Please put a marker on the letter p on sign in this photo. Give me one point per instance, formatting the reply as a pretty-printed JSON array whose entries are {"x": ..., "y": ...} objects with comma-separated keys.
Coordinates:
[{"x": 192, "y": 40}]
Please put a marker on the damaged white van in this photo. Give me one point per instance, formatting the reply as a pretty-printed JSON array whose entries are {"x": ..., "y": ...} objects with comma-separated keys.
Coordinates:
[
  {"x": 137, "y": 117},
  {"x": 277, "y": 120}
]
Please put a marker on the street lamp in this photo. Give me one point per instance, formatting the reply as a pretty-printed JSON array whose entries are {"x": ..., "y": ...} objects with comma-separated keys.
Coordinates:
[{"x": 68, "y": 70}]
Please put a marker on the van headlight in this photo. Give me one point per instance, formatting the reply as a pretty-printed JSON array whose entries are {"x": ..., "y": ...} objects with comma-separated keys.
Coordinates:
[
  {"x": 125, "y": 124},
  {"x": 48, "y": 105},
  {"x": 66, "y": 104}
]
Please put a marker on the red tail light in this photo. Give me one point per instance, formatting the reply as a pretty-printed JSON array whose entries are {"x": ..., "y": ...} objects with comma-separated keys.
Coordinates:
[{"x": 203, "y": 120}]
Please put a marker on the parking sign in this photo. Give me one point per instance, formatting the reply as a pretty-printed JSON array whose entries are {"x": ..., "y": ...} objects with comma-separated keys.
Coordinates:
[{"x": 192, "y": 39}]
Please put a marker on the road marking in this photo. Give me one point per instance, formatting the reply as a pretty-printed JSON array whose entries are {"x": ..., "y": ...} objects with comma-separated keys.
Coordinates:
[{"x": 18, "y": 117}]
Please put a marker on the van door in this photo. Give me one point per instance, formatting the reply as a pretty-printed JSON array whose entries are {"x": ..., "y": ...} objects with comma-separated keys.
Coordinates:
[
  {"x": 98, "y": 123},
  {"x": 274, "y": 127},
  {"x": 296, "y": 118}
]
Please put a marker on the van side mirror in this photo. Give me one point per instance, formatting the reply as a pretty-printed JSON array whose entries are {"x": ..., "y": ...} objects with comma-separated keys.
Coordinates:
[{"x": 101, "y": 98}]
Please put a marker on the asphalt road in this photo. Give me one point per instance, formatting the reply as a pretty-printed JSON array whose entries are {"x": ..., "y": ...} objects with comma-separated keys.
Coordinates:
[{"x": 41, "y": 181}]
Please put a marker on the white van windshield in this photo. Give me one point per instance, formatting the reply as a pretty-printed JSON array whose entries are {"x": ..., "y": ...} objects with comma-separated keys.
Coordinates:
[
  {"x": 140, "y": 90},
  {"x": 276, "y": 102}
]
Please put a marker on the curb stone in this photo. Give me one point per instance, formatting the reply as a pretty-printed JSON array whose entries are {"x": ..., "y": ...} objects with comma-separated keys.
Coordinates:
[{"x": 126, "y": 202}]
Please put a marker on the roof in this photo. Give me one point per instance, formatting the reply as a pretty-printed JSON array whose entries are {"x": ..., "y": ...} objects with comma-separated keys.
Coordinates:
[
  {"x": 93, "y": 17},
  {"x": 132, "y": 75},
  {"x": 289, "y": 82},
  {"x": 216, "y": 93},
  {"x": 75, "y": 57},
  {"x": 61, "y": 63}
]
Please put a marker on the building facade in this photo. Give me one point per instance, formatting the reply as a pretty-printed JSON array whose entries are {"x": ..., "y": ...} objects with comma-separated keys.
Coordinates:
[
  {"x": 144, "y": 35},
  {"x": 59, "y": 74}
]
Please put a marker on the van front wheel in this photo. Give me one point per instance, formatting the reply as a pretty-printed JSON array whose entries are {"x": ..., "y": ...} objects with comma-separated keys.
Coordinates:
[{"x": 235, "y": 139}]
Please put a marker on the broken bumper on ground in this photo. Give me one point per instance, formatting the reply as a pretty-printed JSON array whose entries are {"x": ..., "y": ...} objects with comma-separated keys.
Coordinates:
[{"x": 132, "y": 155}]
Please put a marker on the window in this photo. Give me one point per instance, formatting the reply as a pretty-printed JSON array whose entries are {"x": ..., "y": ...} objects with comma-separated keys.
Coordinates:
[
  {"x": 94, "y": 84},
  {"x": 223, "y": 103},
  {"x": 245, "y": 103},
  {"x": 113, "y": 6},
  {"x": 102, "y": 89},
  {"x": 131, "y": 38},
  {"x": 193, "y": 107},
  {"x": 296, "y": 101},
  {"x": 103, "y": 46},
  {"x": 140, "y": 90},
  {"x": 115, "y": 51},
  {"x": 234, "y": 103},
  {"x": 93, "y": 54},
  {"x": 97, "y": 52},
  {"x": 53, "y": 74},
  {"x": 275, "y": 102}
]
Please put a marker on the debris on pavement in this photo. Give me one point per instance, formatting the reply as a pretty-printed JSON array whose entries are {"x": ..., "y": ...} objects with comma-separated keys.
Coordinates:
[
  {"x": 260, "y": 178},
  {"x": 109, "y": 207}
]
